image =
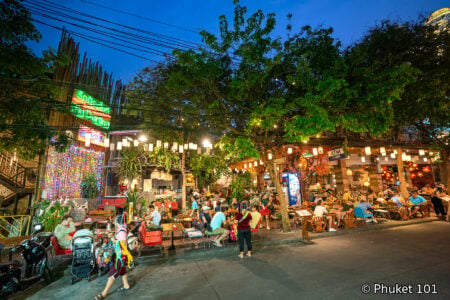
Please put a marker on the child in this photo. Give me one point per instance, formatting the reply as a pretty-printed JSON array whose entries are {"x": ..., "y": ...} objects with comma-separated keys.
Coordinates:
[{"x": 121, "y": 258}]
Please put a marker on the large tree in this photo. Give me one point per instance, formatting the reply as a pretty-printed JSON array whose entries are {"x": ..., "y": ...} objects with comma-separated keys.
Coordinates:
[
  {"x": 167, "y": 114},
  {"x": 27, "y": 89},
  {"x": 425, "y": 102},
  {"x": 264, "y": 92}
]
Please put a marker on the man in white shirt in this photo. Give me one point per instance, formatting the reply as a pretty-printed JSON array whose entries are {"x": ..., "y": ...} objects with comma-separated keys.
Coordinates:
[
  {"x": 153, "y": 219},
  {"x": 321, "y": 211}
]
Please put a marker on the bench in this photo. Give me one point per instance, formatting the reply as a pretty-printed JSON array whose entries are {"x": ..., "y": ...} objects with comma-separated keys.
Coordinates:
[{"x": 151, "y": 238}]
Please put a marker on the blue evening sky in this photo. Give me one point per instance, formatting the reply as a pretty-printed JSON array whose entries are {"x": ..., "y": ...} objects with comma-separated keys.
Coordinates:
[{"x": 349, "y": 18}]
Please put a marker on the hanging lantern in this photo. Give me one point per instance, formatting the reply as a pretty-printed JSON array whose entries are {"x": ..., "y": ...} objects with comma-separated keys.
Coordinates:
[
  {"x": 158, "y": 143},
  {"x": 289, "y": 150},
  {"x": 392, "y": 155},
  {"x": 119, "y": 146},
  {"x": 320, "y": 150},
  {"x": 315, "y": 152},
  {"x": 349, "y": 172},
  {"x": 166, "y": 145},
  {"x": 180, "y": 149},
  {"x": 106, "y": 143},
  {"x": 124, "y": 141},
  {"x": 136, "y": 143},
  {"x": 367, "y": 150},
  {"x": 150, "y": 147},
  {"x": 404, "y": 156},
  {"x": 425, "y": 159},
  {"x": 111, "y": 146},
  {"x": 383, "y": 151},
  {"x": 255, "y": 164},
  {"x": 431, "y": 153},
  {"x": 421, "y": 152},
  {"x": 395, "y": 151},
  {"x": 245, "y": 166},
  {"x": 186, "y": 146},
  {"x": 363, "y": 159},
  {"x": 261, "y": 163},
  {"x": 386, "y": 158},
  {"x": 175, "y": 145},
  {"x": 195, "y": 146},
  {"x": 269, "y": 156}
]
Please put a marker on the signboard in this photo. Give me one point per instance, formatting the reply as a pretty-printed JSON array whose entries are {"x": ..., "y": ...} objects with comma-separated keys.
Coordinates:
[
  {"x": 86, "y": 107},
  {"x": 336, "y": 154},
  {"x": 96, "y": 137}
]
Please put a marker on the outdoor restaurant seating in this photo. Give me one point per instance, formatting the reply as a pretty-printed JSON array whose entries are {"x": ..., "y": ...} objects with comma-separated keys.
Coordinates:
[
  {"x": 151, "y": 238},
  {"x": 318, "y": 224},
  {"x": 57, "y": 247},
  {"x": 360, "y": 215},
  {"x": 257, "y": 229},
  {"x": 349, "y": 221}
]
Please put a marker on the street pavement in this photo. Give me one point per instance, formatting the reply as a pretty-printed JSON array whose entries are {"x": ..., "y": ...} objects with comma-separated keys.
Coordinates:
[{"x": 331, "y": 268}]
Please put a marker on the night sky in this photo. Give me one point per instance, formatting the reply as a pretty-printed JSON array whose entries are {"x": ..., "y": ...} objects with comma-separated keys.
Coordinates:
[{"x": 350, "y": 19}]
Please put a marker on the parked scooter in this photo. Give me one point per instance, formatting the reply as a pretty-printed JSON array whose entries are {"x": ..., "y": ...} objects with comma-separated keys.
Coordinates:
[{"x": 14, "y": 276}]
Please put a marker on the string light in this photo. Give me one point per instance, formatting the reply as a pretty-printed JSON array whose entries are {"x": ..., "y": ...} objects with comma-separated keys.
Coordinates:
[
  {"x": 269, "y": 156},
  {"x": 180, "y": 149},
  {"x": 65, "y": 171},
  {"x": 421, "y": 152},
  {"x": 119, "y": 146},
  {"x": 289, "y": 150}
]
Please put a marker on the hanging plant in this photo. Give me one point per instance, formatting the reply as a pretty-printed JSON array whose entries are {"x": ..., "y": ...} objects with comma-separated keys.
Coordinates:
[
  {"x": 130, "y": 164},
  {"x": 163, "y": 158}
]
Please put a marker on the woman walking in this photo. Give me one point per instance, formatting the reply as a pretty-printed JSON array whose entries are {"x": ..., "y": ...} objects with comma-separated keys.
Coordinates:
[{"x": 244, "y": 232}]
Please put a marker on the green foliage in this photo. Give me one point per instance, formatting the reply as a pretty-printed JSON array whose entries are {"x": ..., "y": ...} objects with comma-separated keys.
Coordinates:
[
  {"x": 130, "y": 164},
  {"x": 52, "y": 213},
  {"x": 208, "y": 168},
  {"x": 26, "y": 87},
  {"x": 134, "y": 197},
  {"x": 89, "y": 186},
  {"x": 163, "y": 158},
  {"x": 239, "y": 184}
]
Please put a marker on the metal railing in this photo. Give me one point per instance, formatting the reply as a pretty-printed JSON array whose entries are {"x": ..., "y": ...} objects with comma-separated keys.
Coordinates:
[
  {"x": 13, "y": 172},
  {"x": 14, "y": 226}
]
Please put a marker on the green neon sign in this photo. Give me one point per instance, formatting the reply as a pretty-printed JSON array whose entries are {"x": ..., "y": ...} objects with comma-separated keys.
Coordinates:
[{"x": 86, "y": 107}]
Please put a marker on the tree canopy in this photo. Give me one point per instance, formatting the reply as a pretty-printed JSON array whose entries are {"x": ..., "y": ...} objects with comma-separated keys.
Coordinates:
[{"x": 25, "y": 97}]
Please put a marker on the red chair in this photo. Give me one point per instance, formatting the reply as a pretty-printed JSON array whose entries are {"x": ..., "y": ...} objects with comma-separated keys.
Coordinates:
[
  {"x": 174, "y": 205},
  {"x": 151, "y": 238},
  {"x": 57, "y": 247},
  {"x": 256, "y": 229}
]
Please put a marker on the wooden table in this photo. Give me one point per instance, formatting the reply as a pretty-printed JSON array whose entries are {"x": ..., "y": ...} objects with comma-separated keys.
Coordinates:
[{"x": 172, "y": 227}]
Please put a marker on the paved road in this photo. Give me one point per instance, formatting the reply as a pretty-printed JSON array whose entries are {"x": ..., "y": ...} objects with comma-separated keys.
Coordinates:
[{"x": 333, "y": 268}]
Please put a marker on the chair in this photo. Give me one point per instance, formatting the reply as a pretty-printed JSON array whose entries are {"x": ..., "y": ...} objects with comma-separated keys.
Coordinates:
[
  {"x": 257, "y": 229},
  {"x": 318, "y": 224},
  {"x": 57, "y": 247},
  {"x": 349, "y": 221},
  {"x": 151, "y": 238},
  {"x": 209, "y": 234},
  {"x": 360, "y": 215}
]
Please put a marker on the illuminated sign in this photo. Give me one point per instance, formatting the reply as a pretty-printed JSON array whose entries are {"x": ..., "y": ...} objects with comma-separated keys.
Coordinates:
[
  {"x": 437, "y": 14},
  {"x": 86, "y": 107},
  {"x": 96, "y": 137}
]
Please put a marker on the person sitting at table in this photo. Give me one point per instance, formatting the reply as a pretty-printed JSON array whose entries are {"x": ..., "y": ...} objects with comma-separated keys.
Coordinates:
[
  {"x": 256, "y": 217},
  {"x": 321, "y": 211},
  {"x": 366, "y": 208},
  {"x": 234, "y": 203},
  {"x": 63, "y": 231},
  {"x": 416, "y": 201},
  {"x": 205, "y": 218},
  {"x": 153, "y": 219},
  {"x": 217, "y": 230},
  {"x": 342, "y": 210}
]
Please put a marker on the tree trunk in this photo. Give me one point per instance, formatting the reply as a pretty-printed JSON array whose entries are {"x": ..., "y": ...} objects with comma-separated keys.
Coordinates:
[
  {"x": 183, "y": 185},
  {"x": 446, "y": 167},
  {"x": 283, "y": 202},
  {"x": 401, "y": 175}
]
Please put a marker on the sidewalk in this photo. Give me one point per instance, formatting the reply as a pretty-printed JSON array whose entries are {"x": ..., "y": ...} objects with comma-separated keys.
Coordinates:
[{"x": 277, "y": 237}]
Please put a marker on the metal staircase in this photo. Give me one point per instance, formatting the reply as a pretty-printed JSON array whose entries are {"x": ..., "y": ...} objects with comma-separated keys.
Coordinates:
[{"x": 16, "y": 178}]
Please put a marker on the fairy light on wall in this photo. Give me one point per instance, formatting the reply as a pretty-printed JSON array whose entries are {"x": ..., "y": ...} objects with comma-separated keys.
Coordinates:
[{"x": 65, "y": 171}]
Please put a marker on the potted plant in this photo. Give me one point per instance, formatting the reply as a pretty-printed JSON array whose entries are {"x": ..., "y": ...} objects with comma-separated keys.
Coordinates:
[
  {"x": 90, "y": 190},
  {"x": 137, "y": 199},
  {"x": 51, "y": 213}
]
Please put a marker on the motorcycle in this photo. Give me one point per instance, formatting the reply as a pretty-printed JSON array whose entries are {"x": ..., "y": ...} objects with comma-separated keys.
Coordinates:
[{"x": 14, "y": 276}]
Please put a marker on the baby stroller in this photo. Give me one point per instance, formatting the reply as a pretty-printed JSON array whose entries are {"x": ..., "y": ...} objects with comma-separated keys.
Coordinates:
[{"x": 83, "y": 261}]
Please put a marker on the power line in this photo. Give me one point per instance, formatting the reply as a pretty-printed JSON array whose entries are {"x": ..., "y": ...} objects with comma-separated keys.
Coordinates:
[
  {"x": 97, "y": 42},
  {"x": 62, "y": 9},
  {"x": 173, "y": 43},
  {"x": 138, "y": 16}
]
